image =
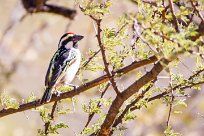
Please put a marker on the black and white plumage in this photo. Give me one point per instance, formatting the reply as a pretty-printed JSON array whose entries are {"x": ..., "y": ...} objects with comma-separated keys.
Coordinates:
[{"x": 63, "y": 65}]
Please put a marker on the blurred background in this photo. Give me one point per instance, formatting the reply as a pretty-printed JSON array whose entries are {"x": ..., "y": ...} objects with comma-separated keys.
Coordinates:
[{"x": 26, "y": 47}]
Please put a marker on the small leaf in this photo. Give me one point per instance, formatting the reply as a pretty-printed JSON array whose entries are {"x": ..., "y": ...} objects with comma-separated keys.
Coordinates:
[
  {"x": 8, "y": 102},
  {"x": 178, "y": 112},
  {"x": 64, "y": 111}
]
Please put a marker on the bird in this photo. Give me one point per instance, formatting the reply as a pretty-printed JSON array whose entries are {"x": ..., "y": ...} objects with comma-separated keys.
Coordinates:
[{"x": 64, "y": 64}]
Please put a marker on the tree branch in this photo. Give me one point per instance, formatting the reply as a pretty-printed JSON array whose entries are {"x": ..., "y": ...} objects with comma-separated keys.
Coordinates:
[
  {"x": 171, "y": 102},
  {"x": 198, "y": 12},
  {"x": 98, "y": 105},
  {"x": 90, "y": 58},
  {"x": 175, "y": 22},
  {"x": 47, "y": 124},
  {"x": 132, "y": 89},
  {"x": 82, "y": 88},
  {"x": 127, "y": 108},
  {"x": 102, "y": 49},
  {"x": 37, "y": 6}
]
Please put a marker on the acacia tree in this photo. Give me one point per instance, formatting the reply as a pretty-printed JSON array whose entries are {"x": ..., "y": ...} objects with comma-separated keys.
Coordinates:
[{"x": 159, "y": 36}]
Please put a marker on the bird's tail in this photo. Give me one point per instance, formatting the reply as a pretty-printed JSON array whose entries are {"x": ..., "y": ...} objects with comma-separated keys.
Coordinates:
[{"x": 46, "y": 96}]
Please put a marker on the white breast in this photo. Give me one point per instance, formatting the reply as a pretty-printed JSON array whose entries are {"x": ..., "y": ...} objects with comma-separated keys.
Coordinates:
[{"x": 72, "y": 70}]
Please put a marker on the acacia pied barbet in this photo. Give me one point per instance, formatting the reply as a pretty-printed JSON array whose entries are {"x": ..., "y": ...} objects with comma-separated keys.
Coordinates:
[{"x": 63, "y": 65}]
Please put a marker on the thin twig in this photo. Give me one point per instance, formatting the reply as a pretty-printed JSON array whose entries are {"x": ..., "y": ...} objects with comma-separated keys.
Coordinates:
[
  {"x": 161, "y": 95},
  {"x": 179, "y": 86},
  {"x": 185, "y": 95},
  {"x": 198, "y": 12},
  {"x": 175, "y": 22},
  {"x": 172, "y": 100},
  {"x": 102, "y": 49},
  {"x": 196, "y": 53},
  {"x": 196, "y": 74},
  {"x": 136, "y": 28},
  {"x": 135, "y": 37},
  {"x": 68, "y": 26},
  {"x": 90, "y": 58},
  {"x": 98, "y": 106},
  {"x": 47, "y": 124},
  {"x": 179, "y": 45},
  {"x": 123, "y": 26}
]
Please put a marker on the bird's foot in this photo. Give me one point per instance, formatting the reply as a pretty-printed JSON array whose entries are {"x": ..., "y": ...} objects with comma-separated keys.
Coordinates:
[{"x": 57, "y": 93}]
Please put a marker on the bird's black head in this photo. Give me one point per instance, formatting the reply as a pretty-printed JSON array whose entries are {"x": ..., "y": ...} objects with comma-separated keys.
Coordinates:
[{"x": 69, "y": 40}]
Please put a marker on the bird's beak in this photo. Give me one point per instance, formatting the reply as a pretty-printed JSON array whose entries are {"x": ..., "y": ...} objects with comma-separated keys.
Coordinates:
[{"x": 77, "y": 38}]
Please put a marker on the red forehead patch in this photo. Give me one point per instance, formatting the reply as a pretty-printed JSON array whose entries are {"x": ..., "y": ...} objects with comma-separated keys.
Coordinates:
[{"x": 70, "y": 33}]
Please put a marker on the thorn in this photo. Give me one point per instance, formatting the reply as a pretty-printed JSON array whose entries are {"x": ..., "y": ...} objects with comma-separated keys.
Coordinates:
[
  {"x": 95, "y": 28},
  {"x": 26, "y": 115},
  {"x": 73, "y": 105}
]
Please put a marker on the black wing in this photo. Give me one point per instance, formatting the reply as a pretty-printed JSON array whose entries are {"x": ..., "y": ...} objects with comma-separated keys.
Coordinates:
[{"x": 62, "y": 59}]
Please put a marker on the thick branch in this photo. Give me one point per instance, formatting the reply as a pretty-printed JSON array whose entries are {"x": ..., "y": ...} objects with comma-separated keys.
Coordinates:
[
  {"x": 132, "y": 89},
  {"x": 85, "y": 87},
  {"x": 66, "y": 12},
  {"x": 127, "y": 108}
]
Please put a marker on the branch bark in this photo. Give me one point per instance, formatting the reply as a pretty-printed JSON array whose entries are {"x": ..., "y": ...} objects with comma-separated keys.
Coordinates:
[{"x": 127, "y": 108}]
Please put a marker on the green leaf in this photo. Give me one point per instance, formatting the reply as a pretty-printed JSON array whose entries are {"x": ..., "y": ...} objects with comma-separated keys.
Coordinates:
[
  {"x": 31, "y": 98},
  {"x": 54, "y": 129},
  {"x": 7, "y": 102},
  {"x": 178, "y": 112},
  {"x": 64, "y": 111},
  {"x": 170, "y": 132}
]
